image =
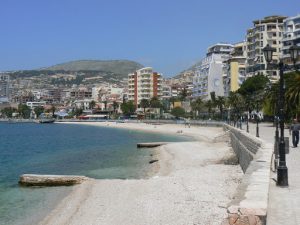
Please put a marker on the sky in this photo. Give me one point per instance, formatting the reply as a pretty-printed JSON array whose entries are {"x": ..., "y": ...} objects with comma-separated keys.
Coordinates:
[{"x": 168, "y": 35}]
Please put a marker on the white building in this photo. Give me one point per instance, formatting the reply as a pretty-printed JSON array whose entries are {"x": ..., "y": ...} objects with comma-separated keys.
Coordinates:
[
  {"x": 291, "y": 36},
  {"x": 209, "y": 74},
  {"x": 264, "y": 31},
  {"x": 33, "y": 105}
]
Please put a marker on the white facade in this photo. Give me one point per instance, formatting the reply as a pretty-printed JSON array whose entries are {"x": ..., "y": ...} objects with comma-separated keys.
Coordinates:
[
  {"x": 33, "y": 105},
  {"x": 291, "y": 35},
  {"x": 265, "y": 31},
  {"x": 209, "y": 74}
]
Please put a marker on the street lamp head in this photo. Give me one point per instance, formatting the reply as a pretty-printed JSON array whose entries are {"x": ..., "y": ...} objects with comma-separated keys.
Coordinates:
[
  {"x": 294, "y": 52},
  {"x": 268, "y": 52}
]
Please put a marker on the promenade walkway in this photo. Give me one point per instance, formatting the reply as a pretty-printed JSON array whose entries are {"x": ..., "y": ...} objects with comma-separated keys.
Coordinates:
[{"x": 284, "y": 203}]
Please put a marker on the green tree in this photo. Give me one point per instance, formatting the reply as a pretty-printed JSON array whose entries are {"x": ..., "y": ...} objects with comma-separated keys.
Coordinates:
[
  {"x": 209, "y": 105},
  {"x": 115, "y": 106},
  {"x": 197, "y": 105},
  {"x": 128, "y": 108},
  {"x": 38, "y": 110},
  {"x": 236, "y": 104},
  {"x": 292, "y": 95},
  {"x": 92, "y": 104},
  {"x": 253, "y": 90},
  {"x": 155, "y": 103},
  {"x": 8, "y": 111},
  {"x": 271, "y": 100},
  {"x": 144, "y": 104},
  {"x": 24, "y": 111},
  {"x": 220, "y": 103},
  {"x": 78, "y": 111},
  {"x": 105, "y": 104},
  {"x": 183, "y": 94},
  {"x": 178, "y": 112}
]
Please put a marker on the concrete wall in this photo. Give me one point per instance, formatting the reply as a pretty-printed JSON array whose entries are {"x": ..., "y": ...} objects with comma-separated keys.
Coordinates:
[
  {"x": 244, "y": 145},
  {"x": 249, "y": 205}
]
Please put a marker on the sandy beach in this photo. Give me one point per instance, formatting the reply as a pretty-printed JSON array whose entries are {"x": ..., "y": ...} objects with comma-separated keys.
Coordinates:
[{"x": 189, "y": 185}]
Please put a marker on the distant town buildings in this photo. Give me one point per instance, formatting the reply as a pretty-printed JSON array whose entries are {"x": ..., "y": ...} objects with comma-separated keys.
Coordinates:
[
  {"x": 144, "y": 84},
  {"x": 4, "y": 88},
  {"x": 223, "y": 70}
]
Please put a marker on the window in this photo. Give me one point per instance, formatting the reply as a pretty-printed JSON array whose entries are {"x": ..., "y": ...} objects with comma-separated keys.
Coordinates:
[
  {"x": 261, "y": 44},
  {"x": 274, "y": 42},
  {"x": 274, "y": 34}
]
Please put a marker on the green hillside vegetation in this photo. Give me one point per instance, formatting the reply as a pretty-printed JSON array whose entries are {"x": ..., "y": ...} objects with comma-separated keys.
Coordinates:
[{"x": 114, "y": 66}]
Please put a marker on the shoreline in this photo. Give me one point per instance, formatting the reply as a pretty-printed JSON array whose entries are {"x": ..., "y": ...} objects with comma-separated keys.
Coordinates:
[{"x": 188, "y": 183}]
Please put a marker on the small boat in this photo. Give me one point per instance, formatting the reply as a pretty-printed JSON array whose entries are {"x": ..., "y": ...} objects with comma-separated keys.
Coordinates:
[{"x": 46, "y": 120}]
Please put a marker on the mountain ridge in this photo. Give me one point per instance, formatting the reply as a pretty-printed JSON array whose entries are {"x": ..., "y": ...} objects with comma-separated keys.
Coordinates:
[{"x": 114, "y": 66}]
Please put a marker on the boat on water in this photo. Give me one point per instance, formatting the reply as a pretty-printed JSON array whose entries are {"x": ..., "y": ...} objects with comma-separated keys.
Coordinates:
[{"x": 46, "y": 120}]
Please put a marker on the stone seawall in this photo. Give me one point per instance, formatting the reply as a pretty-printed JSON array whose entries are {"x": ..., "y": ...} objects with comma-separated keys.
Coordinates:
[{"x": 249, "y": 205}]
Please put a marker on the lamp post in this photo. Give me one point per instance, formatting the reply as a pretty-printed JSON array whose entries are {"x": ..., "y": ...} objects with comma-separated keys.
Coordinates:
[
  {"x": 282, "y": 170},
  {"x": 247, "y": 122},
  {"x": 257, "y": 128}
]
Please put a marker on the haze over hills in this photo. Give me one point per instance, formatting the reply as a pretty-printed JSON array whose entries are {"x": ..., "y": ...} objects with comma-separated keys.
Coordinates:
[
  {"x": 113, "y": 66},
  {"x": 192, "y": 68}
]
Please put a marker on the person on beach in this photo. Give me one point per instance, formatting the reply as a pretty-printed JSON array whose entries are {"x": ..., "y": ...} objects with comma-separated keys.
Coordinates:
[{"x": 294, "y": 129}]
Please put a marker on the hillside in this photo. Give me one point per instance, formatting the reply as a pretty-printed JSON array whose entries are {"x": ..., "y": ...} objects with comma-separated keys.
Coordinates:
[{"x": 122, "y": 67}]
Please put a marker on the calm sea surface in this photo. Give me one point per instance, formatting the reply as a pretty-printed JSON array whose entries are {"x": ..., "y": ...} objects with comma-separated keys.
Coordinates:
[{"x": 98, "y": 152}]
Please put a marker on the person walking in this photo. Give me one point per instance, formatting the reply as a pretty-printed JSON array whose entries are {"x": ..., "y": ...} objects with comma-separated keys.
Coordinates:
[{"x": 294, "y": 129}]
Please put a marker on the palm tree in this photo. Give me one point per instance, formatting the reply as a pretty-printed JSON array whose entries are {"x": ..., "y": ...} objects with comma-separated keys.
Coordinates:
[
  {"x": 115, "y": 106},
  {"x": 197, "y": 105},
  {"x": 220, "y": 103},
  {"x": 293, "y": 95},
  {"x": 92, "y": 104},
  {"x": 236, "y": 103},
  {"x": 209, "y": 105},
  {"x": 155, "y": 103},
  {"x": 293, "y": 92},
  {"x": 144, "y": 104}
]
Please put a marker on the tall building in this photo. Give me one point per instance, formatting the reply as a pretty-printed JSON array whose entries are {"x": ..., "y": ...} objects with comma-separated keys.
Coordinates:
[
  {"x": 4, "y": 88},
  {"x": 209, "y": 73},
  {"x": 144, "y": 84},
  {"x": 234, "y": 70},
  {"x": 264, "y": 31},
  {"x": 291, "y": 36}
]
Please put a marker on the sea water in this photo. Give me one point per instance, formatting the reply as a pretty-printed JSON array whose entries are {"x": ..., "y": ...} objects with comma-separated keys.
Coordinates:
[{"x": 67, "y": 149}]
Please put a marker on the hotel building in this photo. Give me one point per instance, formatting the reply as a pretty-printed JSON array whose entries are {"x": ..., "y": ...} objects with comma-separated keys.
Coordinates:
[
  {"x": 234, "y": 70},
  {"x": 209, "y": 73},
  {"x": 268, "y": 30},
  {"x": 291, "y": 36},
  {"x": 144, "y": 84}
]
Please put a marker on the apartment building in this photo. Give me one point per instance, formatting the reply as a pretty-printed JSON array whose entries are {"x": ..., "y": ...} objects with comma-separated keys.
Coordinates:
[
  {"x": 4, "y": 88},
  {"x": 234, "y": 69},
  {"x": 291, "y": 36},
  {"x": 268, "y": 30},
  {"x": 209, "y": 73},
  {"x": 144, "y": 84}
]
